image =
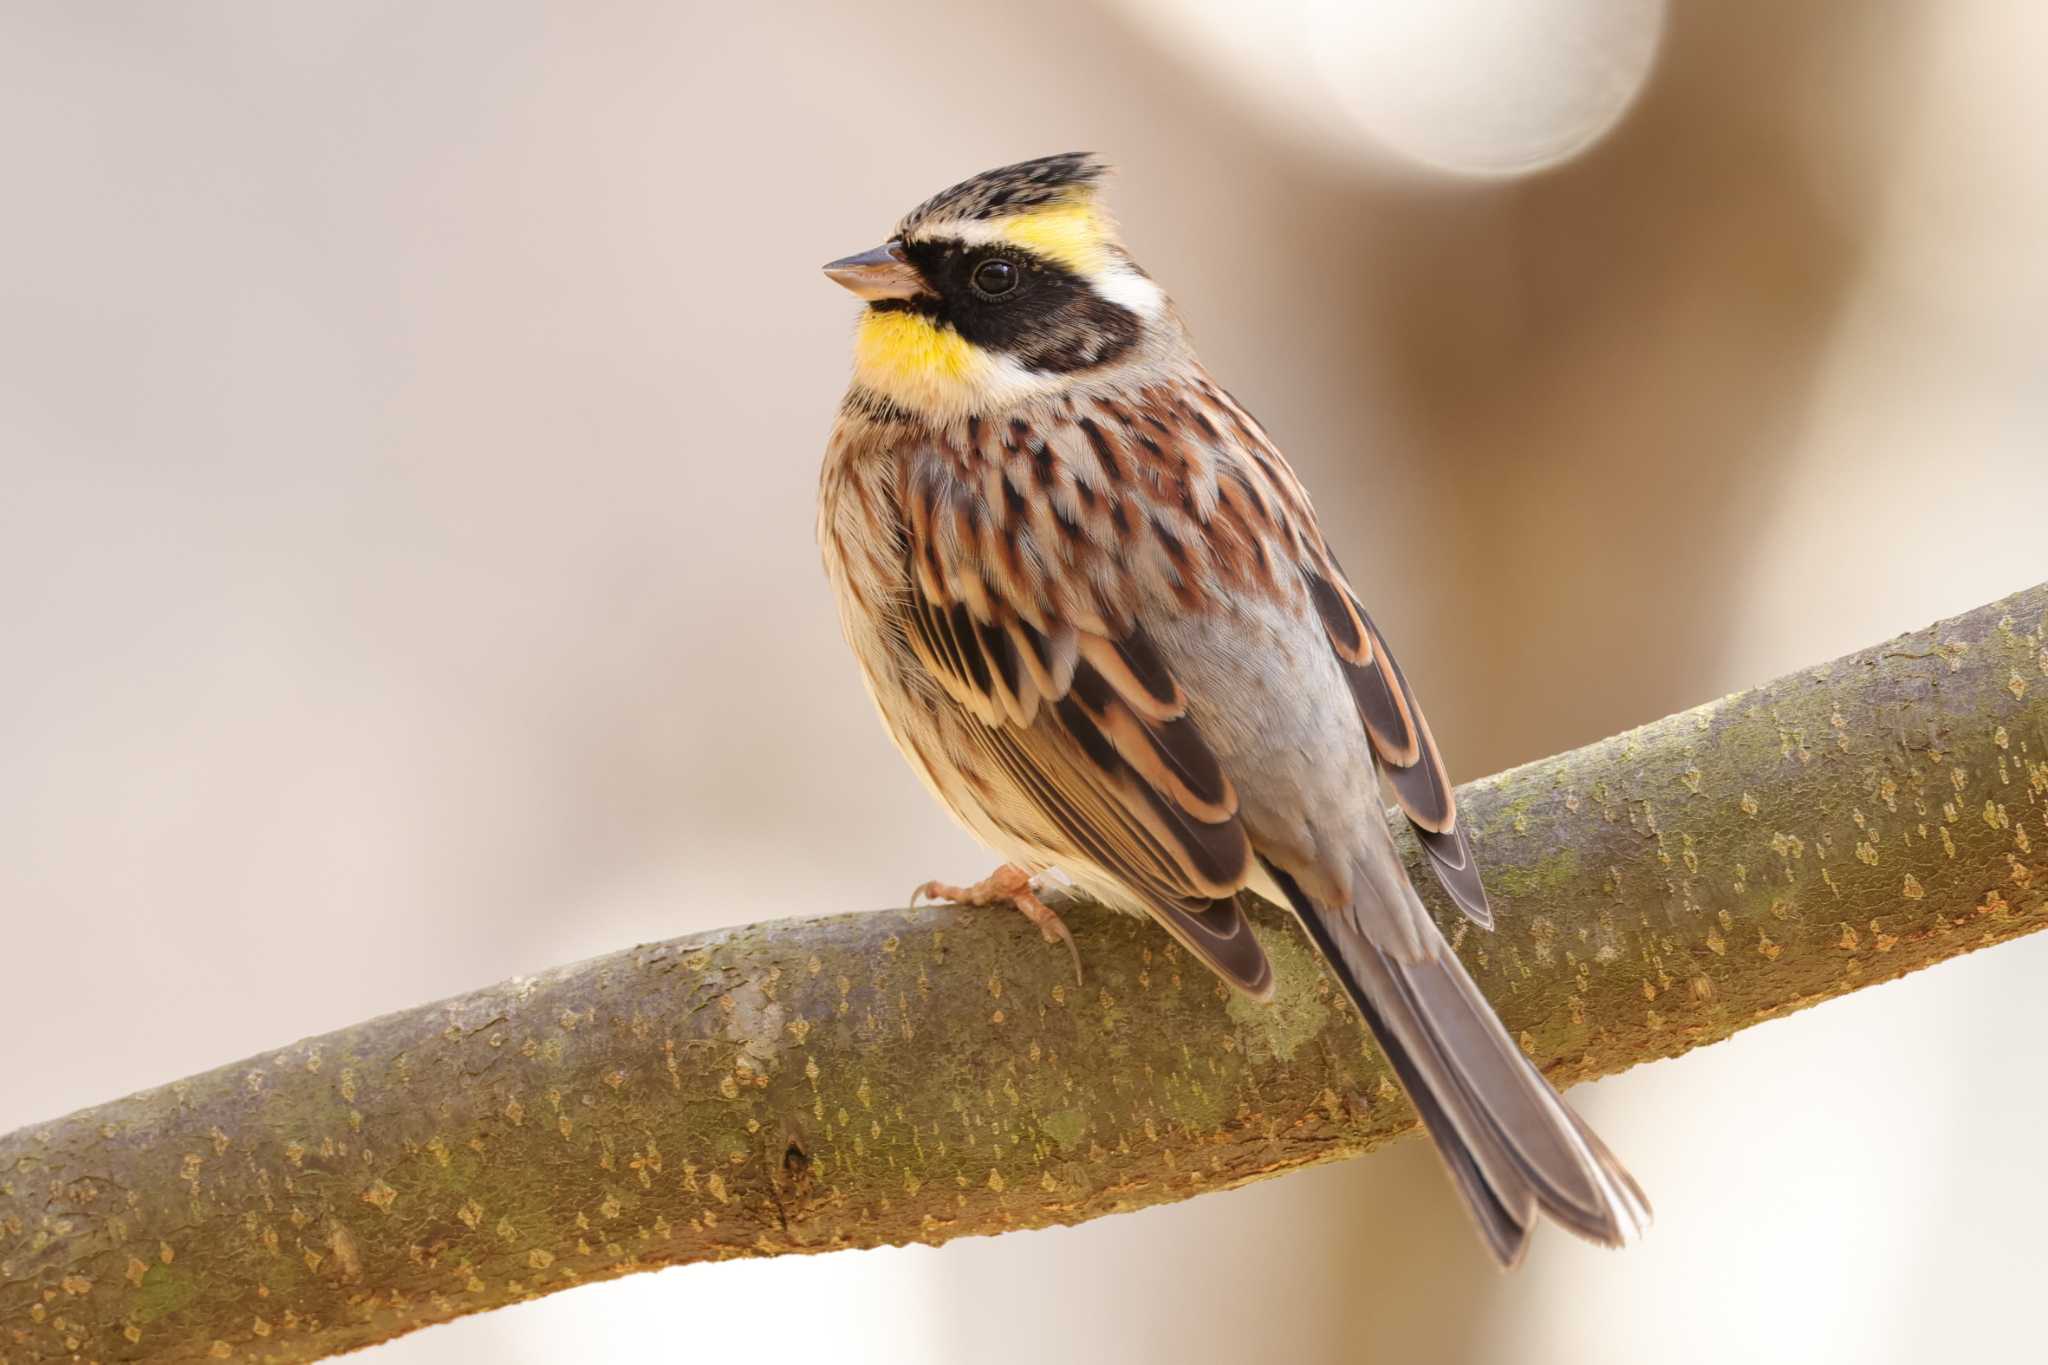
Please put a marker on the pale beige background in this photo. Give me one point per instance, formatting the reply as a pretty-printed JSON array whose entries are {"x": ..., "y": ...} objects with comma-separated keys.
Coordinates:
[{"x": 409, "y": 419}]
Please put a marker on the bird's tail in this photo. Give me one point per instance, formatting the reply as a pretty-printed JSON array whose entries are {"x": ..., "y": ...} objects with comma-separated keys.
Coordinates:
[{"x": 1512, "y": 1145}]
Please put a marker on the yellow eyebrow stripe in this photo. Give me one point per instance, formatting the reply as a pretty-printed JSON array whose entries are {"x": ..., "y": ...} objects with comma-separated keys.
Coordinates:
[{"x": 1072, "y": 234}]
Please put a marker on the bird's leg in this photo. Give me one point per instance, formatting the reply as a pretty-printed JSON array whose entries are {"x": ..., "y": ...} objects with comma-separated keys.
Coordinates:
[{"x": 1008, "y": 885}]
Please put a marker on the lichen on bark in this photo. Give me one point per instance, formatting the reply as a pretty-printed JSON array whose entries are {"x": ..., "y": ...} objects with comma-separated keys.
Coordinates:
[{"x": 917, "y": 1075}]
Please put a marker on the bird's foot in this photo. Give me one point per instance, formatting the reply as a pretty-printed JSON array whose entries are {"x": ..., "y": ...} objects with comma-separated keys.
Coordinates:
[{"x": 1008, "y": 885}]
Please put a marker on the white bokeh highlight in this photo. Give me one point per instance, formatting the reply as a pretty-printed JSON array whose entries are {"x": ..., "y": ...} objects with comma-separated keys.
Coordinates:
[
  {"x": 1485, "y": 87},
  {"x": 1470, "y": 88}
]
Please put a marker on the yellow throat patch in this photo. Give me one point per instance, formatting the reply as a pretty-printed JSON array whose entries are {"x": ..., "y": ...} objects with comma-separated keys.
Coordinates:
[{"x": 918, "y": 363}]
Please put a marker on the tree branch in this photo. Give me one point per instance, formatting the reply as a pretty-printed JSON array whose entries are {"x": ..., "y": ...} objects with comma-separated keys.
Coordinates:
[{"x": 918, "y": 1075}]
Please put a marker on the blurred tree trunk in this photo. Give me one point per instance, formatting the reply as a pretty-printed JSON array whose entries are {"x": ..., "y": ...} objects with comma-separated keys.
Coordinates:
[{"x": 921, "y": 1075}]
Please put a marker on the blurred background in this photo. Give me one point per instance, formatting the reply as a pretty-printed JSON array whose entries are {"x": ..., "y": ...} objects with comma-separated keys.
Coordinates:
[{"x": 409, "y": 425}]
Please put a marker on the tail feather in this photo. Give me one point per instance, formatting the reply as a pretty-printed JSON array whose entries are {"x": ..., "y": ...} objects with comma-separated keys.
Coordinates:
[
  {"x": 1513, "y": 1147},
  {"x": 1504, "y": 1220}
]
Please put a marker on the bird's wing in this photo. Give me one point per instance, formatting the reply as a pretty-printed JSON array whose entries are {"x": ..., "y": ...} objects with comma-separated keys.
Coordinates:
[
  {"x": 1076, "y": 708},
  {"x": 1512, "y": 1145},
  {"x": 1400, "y": 736}
]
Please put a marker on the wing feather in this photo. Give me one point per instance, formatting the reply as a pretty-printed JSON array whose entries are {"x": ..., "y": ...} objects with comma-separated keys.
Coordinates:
[
  {"x": 1085, "y": 719},
  {"x": 1400, "y": 739}
]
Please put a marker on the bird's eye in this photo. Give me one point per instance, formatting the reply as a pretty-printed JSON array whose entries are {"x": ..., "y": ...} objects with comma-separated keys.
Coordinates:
[{"x": 995, "y": 278}]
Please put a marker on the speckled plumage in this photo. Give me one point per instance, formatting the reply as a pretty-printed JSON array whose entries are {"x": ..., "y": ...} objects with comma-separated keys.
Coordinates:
[
  {"x": 1008, "y": 190},
  {"x": 1095, "y": 611}
]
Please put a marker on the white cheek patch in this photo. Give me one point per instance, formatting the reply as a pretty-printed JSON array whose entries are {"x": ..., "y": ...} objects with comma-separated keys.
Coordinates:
[
  {"x": 1010, "y": 382},
  {"x": 1129, "y": 289}
]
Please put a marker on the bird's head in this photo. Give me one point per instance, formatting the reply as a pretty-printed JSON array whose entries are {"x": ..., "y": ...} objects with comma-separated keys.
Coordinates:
[{"x": 1008, "y": 286}]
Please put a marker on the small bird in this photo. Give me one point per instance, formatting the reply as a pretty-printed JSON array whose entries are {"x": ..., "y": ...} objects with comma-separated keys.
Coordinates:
[{"x": 1092, "y": 604}]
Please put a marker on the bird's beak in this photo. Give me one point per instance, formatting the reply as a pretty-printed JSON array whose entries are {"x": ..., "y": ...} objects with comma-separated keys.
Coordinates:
[{"x": 884, "y": 273}]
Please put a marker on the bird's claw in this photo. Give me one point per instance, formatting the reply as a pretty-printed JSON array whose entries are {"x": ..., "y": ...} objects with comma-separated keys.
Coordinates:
[{"x": 1008, "y": 885}]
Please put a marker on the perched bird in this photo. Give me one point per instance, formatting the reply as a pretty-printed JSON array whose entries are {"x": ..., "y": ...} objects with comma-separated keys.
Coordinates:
[{"x": 1092, "y": 604}]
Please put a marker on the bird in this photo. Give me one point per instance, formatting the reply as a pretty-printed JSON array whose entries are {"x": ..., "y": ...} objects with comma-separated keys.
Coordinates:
[{"x": 1093, "y": 607}]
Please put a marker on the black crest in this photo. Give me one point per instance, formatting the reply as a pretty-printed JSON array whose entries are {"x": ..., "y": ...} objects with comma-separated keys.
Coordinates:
[{"x": 1010, "y": 189}]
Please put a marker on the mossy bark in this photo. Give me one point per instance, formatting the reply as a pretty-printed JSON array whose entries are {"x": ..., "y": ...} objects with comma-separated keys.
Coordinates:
[{"x": 918, "y": 1075}]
